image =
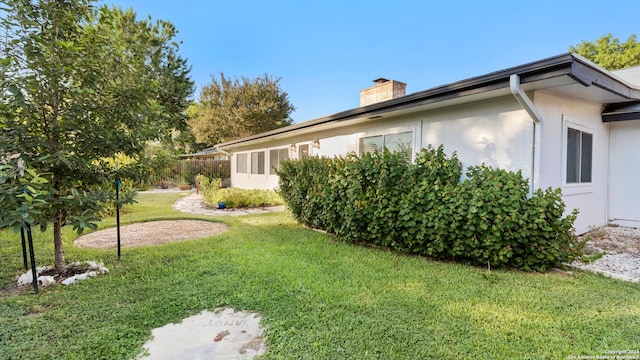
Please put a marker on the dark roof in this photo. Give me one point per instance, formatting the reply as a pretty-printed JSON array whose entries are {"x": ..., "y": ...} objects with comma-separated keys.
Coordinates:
[
  {"x": 578, "y": 69},
  {"x": 212, "y": 151},
  {"x": 621, "y": 112}
]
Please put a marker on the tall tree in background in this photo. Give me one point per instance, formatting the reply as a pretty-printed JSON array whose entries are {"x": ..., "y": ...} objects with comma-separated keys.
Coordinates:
[
  {"x": 609, "y": 52},
  {"x": 234, "y": 108},
  {"x": 80, "y": 85}
]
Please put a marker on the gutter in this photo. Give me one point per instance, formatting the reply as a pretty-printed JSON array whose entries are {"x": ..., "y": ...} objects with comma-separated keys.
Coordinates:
[
  {"x": 530, "y": 72},
  {"x": 527, "y": 104}
]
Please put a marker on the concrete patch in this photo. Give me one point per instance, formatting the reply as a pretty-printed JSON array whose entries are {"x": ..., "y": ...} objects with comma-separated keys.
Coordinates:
[{"x": 222, "y": 334}]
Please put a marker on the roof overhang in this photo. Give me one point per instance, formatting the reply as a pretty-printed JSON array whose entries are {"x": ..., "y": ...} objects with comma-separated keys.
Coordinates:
[
  {"x": 209, "y": 152},
  {"x": 568, "y": 75},
  {"x": 621, "y": 112}
]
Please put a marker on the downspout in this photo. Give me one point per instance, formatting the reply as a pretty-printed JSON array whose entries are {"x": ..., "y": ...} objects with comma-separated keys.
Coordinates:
[{"x": 527, "y": 104}]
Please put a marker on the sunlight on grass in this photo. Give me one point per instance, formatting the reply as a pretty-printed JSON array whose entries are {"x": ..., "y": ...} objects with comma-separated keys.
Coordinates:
[{"x": 320, "y": 298}]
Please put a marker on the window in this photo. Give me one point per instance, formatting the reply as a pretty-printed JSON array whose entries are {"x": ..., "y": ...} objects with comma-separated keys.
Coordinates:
[
  {"x": 399, "y": 142},
  {"x": 275, "y": 157},
  {"x": 257, "y": 162},
  {"x": 371, "y": 144},
  {"x": 303, "y": 151},
  {"x": 241, "y": 163},
  {"x": 579, "y": 156}
]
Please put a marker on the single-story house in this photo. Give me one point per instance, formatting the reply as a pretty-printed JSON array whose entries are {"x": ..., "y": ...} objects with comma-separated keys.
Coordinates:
[{"x": 563, "y": 121}]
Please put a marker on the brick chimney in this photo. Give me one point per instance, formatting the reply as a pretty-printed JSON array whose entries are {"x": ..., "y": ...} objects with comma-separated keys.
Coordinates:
[{"x": 383, "y": 89}]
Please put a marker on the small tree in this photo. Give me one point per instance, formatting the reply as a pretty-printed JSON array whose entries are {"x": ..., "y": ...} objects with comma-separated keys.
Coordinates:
[
  {"x": 78, "y": 86},
  {"x": 609, "y": 52},
  {"x": 234, "y": 108}
]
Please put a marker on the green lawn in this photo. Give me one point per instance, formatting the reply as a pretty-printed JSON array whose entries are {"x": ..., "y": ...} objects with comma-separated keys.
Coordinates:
[{"x": 320, "y": 299}]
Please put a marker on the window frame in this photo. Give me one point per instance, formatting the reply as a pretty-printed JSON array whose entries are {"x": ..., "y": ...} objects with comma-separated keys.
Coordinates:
[
  {"x": 281, "y": 150},
  {"x": 258, "y": 168},
  {"x": 575, "y": 188},
  {"x": 246, "y": 163},
  {"x": 386, "y": 133}
]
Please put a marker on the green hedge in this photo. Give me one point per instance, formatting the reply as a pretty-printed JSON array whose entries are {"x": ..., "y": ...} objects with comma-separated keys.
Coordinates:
[{"x": 489, "y": 219}]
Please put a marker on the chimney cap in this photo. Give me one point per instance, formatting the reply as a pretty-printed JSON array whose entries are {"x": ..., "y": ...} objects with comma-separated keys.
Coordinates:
[{"x": 380, "y": 80}]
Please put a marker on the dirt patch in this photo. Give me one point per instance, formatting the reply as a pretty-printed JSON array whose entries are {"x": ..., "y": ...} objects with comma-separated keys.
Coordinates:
[{"x": 151, "y": 233}]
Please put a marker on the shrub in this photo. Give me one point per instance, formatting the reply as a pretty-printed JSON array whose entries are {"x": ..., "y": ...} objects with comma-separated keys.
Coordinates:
[
  {"x": 213, "y": 193},
  {"x": 423, "y": 208}
]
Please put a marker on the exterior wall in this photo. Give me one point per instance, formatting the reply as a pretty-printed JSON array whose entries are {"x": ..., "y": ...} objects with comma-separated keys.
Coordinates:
[
  {"x": 624, "y": 160},
  {"x": 340, "y": 145},
  {"x": 558, "y": 113},
  {"x": 497, "y": 133}
]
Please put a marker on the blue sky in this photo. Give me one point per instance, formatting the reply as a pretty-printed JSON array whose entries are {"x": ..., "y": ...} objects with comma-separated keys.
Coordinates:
[{"x": 327, "y": 51}]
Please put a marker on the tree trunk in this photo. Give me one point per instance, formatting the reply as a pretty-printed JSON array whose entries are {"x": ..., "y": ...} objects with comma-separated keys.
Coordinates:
[{"x": 57, "y": 240}]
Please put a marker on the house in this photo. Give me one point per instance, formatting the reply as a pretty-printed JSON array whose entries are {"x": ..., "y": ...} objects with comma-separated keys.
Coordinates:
[{"x": 563, "y": 121}]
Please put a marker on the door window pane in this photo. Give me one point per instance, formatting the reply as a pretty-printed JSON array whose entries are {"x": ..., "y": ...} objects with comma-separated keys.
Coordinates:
[{"x": 303, "y": 151}]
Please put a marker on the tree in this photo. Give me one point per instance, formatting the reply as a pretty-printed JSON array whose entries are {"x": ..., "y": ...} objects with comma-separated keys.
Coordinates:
[
  {"x": 80, "y": 85},
  {"x": 609, "y": 52},
  {"x": 234, "y": 108}
]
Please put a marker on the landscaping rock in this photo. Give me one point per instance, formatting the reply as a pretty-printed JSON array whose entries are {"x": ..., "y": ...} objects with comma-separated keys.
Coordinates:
[
  {"x": 27, "y": 277},
  {"x": 93, "y": 269},
  {"x": 46, "y": 280},
  {"x": 621, "y": 248}
]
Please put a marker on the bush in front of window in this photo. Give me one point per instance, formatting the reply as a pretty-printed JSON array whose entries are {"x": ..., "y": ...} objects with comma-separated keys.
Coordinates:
[{"x": 488, "y": 219}]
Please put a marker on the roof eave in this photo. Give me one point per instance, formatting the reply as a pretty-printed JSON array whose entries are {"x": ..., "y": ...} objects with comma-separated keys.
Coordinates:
[{"x": 581, "y": 70}]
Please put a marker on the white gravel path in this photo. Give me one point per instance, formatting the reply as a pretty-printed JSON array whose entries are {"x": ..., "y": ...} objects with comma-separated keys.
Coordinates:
[
  {"x": 621, "y": 247},
  {"x": 192, "y": 203}
]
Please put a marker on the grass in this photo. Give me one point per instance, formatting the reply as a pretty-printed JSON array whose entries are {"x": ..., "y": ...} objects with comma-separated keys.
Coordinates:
[{"x": 320, "y": 299}]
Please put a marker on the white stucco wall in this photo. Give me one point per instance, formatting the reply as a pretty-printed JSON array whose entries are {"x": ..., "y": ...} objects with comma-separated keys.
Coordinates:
[
  {"x": 624, "y": 160},
  {"x": 498, "y": 133},
  {"x": 341, "y": 145},
  {"x": 558, "y": 113}
]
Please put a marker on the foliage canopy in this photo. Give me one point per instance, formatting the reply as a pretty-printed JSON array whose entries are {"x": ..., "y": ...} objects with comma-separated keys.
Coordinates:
[
  {"x": 235, "y": 108},
  {"x": 609, "y": 52},
  {"x": 80, "y": 84}
]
